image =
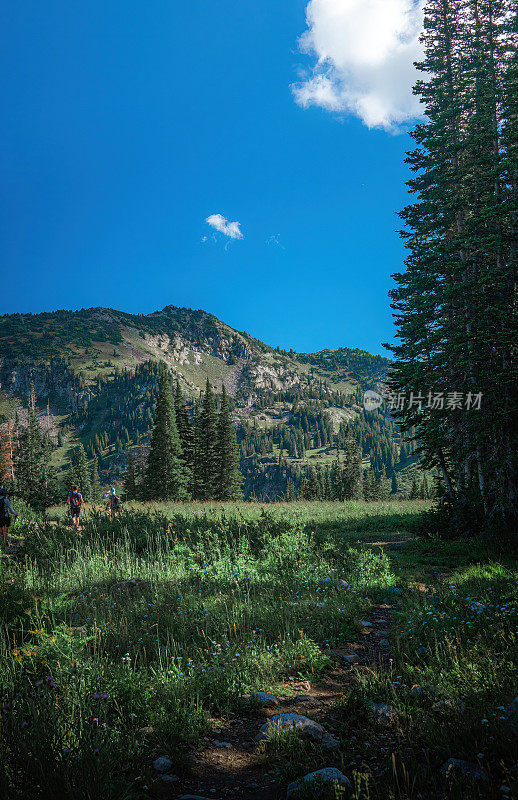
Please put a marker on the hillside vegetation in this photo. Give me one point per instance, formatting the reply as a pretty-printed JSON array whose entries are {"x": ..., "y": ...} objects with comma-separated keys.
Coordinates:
[{"x": 94, "y": 378}]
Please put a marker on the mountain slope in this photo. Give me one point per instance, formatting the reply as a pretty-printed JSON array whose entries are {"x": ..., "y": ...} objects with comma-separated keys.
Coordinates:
[
  {"x": 97, "y": 369},
  {"x": 195, "y": 344}
]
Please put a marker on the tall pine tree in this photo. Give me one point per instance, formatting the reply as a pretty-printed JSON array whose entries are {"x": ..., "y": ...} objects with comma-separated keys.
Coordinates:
[
  {"x": 166, "y": 474},
  {"x": 186, "y": 434},
  {"x": 35, "y": 478},
  {"x": 229, "y": 480},
  {"x": 207, "y": 461},
  {"x": 456, "y": 303},
  {"x": 79, "y": 473}
]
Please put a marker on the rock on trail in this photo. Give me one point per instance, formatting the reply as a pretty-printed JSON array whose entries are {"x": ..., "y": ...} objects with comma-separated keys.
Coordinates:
[
  {"x": 322, "y": 783},
  {"x": 305, "y": 727}
]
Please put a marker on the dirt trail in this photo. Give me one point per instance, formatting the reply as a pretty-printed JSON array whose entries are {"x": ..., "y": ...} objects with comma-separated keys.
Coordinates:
[{"x": 230, "y": 764}]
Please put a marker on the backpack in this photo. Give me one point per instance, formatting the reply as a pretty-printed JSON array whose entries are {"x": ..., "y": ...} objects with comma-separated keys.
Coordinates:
[
  {"x": 75, "y": 499},
  {"x": 4, "y": 508}
]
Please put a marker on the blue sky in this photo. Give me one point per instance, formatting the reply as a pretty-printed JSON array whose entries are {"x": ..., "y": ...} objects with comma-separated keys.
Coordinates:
[{"x": 125, "y": 125}]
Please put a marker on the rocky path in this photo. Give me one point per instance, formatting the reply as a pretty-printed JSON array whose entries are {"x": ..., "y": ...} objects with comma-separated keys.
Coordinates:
[{"x": 230, "y": 764}]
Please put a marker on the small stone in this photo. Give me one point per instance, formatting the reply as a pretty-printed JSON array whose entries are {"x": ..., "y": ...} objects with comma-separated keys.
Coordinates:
[
  {"x": 383, "y": 713},
  {"x": 225, "y": 745},
  {"x": 384, "y": 643},
  {"x": 303, "y": 698},
  {"x": 366, "y": 624},
  {"x": 264, "y": 699},
  {"x": 305, "y": 727},
  {"x": 324, "y": 782},
  {"x": 457, "y": 768},
  {"x": 169, "y": 778},
  {"x": 344, "y": 656},
  {"x": 162, "y": 764}
]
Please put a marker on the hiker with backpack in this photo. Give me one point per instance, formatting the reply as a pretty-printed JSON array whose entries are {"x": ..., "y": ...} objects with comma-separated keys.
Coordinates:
[
  {"x": 114, "y": 502},
  {"x": 75, "y": 503},
  {"x": 7, "y": 513}
]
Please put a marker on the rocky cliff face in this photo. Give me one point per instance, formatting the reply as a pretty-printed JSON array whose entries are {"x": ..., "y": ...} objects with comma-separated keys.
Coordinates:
[{"x": 50, "y": 381}]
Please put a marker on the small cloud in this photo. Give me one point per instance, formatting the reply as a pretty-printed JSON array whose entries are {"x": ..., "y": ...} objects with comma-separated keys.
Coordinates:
[
  {"x": 274, "y": 239},
  {"x": 221, "y": 224}
]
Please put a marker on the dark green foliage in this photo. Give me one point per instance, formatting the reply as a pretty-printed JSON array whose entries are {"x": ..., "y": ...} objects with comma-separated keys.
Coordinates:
[
  {"x": 207, "y": 461},
  {"x": 456, "y": 303},
  {"x": 95, "y": 485},
  {"x": 130, "y": 480},
  {"x": 186, "y": 433},
  {"x": 229, "y": 479},
  {"x": 34, "y": 477},
  {"x": 79, "y": 473},
  {"x": 166, "y": 474}
]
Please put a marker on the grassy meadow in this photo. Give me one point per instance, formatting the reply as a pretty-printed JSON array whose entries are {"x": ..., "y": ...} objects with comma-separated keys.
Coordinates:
[{"x": 134, "y": 639}]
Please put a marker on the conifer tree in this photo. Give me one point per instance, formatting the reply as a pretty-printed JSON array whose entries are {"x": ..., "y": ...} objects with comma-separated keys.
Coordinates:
[
  {"x": 166, "y": 474},
  {"x": 229, "y": 478},
  {"x": 7, "y": 455},
  {"x": 456, "y": 303},
  {"x": 414, "y": 491},
  {"x": 207, "y": 462},
  {"x": 130, "y": 481},
  {"x": 35, "y": 479},
  {"x": 79, "y": 473},
  {"x": 290, "y": 490},
  {"x": 96, "y": 491},
  {"x": 312, "y": 489},
  {"x": 393, "y": 486},
  {"x": 186, "y": 434},
  {"x": 352, "y": 467}
]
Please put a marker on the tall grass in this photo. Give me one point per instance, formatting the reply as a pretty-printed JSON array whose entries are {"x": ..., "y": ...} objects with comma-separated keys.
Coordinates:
[
  {"x": 152, "y": 624},
  {"x": 120, "y": 643}
]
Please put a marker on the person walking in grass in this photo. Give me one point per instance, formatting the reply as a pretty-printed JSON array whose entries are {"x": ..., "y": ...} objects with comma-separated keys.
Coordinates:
[
  {"x": 75, "y": 504},
  {"x": 114, "y": 502},
  {"x": 7, "y": 513}
]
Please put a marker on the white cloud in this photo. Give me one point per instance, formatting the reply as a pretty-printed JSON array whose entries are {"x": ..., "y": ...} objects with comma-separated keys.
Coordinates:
[
  {"x": 221, "y": 224},
  {"x": 364, "y": 51}
]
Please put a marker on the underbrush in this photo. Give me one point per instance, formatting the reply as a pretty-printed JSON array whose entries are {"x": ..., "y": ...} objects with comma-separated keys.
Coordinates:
[
  {"x": 452, "y": 675},
  {"x": 119, "y": 643}
]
